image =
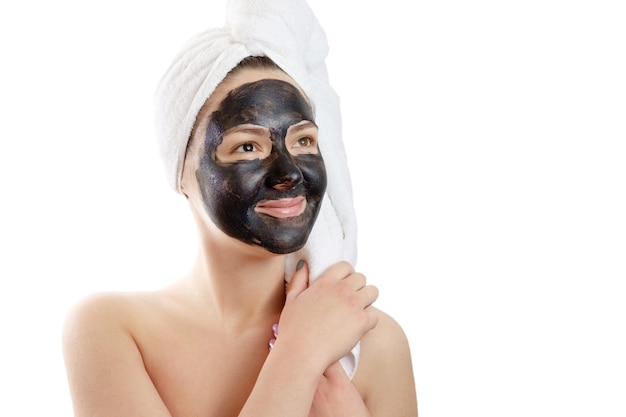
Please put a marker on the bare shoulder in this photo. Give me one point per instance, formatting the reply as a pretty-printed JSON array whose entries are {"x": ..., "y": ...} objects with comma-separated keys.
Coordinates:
[
  {"x": 107, "y": 309},
  {"x": 102, "y": 359},
  {"x": 385, "y": 343},
  {"x": 91, "y": 316},
  {"x": 111, "y": 313},
  {"x": 388, "y": 336},
  {"x": 110, "y": 322},
  {"x": 385, "y": 373},
  {"x": 96, "y": 308}
]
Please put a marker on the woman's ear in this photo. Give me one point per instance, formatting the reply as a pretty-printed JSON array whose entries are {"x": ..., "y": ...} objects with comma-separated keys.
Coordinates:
[
  {"x": 183, "y": 191},
  {"x": 194, "y": 148},
  {"x": 187, "y": 178},
  {"x": 185, "y": 187}
]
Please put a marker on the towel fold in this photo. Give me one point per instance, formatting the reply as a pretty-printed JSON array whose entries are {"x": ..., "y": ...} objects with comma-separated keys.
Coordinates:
[{"x": 287, "y": 32}]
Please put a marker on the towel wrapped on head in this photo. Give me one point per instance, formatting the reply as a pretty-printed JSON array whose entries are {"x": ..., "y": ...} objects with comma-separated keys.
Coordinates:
[{"x": 287, "y": 32}]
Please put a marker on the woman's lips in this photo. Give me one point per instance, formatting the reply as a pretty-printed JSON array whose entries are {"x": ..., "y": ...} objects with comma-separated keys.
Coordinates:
[{"x": 282, "y": 208}]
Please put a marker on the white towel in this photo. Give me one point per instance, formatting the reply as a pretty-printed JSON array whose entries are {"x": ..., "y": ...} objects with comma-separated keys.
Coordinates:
[{"x": 287, "y": 32}]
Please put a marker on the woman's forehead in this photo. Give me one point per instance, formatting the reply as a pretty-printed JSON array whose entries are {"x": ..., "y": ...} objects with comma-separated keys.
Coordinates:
[
  {"x": 245, "y": 76},
  {"x": 233, "y": 81},
  {"x": 230, "y": 83}
]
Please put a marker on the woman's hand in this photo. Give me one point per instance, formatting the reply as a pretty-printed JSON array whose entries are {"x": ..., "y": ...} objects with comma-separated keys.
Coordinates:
[
  {"x": 336, "y": 395},
  {"x": 326, "y": 319}
]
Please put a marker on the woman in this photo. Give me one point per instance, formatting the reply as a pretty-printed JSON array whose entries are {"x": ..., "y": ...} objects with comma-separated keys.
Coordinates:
[{"x": 230, "y": 338}]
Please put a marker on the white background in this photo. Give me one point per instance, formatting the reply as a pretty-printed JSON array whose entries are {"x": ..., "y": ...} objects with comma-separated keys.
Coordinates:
[{"x": 487, "y": 147}]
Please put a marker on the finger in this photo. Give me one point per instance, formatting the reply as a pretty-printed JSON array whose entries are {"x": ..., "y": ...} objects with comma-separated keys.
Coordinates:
[
  {"x": 339, "y": 270},
  {"x": 299, "y": 282},
  {"x": 369, "y": 294},
  {"x": 356, "y": 281},
  {"x": 372, "y": 318}
]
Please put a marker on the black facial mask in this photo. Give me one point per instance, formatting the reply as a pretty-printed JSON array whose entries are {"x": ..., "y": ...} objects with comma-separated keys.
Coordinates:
[{"x": 231, "y": 190}]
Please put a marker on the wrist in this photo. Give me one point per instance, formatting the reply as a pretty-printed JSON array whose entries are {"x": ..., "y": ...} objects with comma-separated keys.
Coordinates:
[{"x": 299, "y": 354}]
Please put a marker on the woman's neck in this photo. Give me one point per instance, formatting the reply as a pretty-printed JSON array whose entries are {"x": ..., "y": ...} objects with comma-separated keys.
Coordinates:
[{"x": 238, "y": 284}]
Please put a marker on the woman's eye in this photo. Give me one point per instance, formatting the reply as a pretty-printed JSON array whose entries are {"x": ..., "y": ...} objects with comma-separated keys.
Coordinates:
[
  {"x": 306, "y": 141},
  {"x": 246, "y": 147}
]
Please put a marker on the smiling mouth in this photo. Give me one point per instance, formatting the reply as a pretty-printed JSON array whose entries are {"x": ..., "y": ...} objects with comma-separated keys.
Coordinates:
[{"x": 282, "y": 208}]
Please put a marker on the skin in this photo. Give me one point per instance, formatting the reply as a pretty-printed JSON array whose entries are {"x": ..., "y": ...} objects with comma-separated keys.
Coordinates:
[{"x": 200, "y": 346}]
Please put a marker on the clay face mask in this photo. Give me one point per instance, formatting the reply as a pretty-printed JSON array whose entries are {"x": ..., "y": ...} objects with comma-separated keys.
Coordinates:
[{"x": 261, "y": 175}]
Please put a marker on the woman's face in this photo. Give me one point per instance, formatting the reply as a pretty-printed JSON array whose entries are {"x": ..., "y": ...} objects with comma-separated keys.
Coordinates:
[{"x": 260, "y": 173}]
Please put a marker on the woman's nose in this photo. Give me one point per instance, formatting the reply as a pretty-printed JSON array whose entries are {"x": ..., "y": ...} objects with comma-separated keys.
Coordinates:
[{"x": 284, "y": 174}]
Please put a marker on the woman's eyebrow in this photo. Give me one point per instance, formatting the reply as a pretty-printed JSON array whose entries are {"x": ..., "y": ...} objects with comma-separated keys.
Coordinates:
[
  {"x": 305, "y": 124},
  {"x": 248, "y": 128}
]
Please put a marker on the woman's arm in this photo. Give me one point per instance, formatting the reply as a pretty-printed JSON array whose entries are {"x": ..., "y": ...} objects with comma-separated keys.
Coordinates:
[
  {"x": 383, "y": 385},
  {"x": 319, "y": 324}
]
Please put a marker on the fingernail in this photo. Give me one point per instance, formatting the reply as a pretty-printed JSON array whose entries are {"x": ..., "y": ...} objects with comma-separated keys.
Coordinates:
[
  {"x": 272, "y": 341},
  {"x": 275, "y": 329},
  {"x": 300, "y": 264}
]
